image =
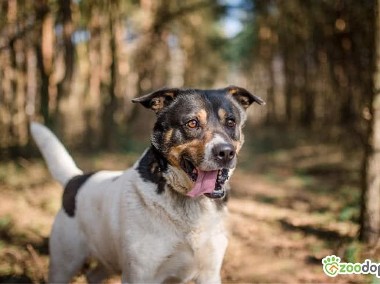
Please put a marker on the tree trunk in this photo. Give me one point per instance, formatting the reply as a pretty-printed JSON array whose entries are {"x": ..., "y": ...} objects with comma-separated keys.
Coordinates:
[
  {"x": 271, "y": 115},
  {"x": 308, "y": 103},
  {"x": 93, "y": 103},
  {"x": 370, "y": 211},
  {"x": 64, "y": 85},
  {"x": 110, "y": 102},
  {"x": 44, "y": 52},
  {"x": 150, "y": 61}
]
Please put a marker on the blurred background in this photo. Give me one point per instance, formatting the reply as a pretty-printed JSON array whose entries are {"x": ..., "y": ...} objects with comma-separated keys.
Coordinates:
[
  {"x": 76, "y": 65},
  {"x": 300, "y": 191}
]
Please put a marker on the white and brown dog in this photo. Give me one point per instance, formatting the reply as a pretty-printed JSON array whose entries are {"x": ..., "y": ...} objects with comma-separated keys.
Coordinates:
[{"x": 161, "y": 220}]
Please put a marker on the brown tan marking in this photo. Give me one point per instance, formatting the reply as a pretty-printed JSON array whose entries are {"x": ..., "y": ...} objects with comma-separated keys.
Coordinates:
[
  {"x": 208, "y": 136},
  {"x": 202, "y": 116},
  {"x": 237, "y": 145},
  {"x": 195, "y": 149},
  {"x": 154, "y": 168},
  {"x": 244, "y": 97},
  {"x": 159, "y": 103},
  {"x": 222, "y": 114},
  {"x": 168, "y": 135},
  {"x": 232, "y": 90}
]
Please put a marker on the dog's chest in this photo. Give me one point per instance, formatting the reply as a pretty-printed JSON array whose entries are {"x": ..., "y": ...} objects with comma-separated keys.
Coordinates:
[{"x": 196, "y": 250}]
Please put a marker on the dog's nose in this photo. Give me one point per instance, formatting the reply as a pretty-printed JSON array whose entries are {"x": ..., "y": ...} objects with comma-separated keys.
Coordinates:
[{"x": 224, "y": 152}]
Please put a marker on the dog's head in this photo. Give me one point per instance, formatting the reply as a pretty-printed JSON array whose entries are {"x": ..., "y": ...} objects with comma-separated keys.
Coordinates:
[{"x": 199, "y": 133}]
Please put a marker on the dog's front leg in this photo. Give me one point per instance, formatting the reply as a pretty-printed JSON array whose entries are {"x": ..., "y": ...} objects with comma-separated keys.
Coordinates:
[
  {"x": 208, "y": 279},
  {"x": 211, "y": 276},
  {"x": 134, "y": 276},
  {"x": 212, "y": 266}
]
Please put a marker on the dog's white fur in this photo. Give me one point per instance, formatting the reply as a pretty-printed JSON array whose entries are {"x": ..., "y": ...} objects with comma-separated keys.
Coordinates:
[
  {"x": 130, "y": 229},
  {"x": 60, "y": 164}
]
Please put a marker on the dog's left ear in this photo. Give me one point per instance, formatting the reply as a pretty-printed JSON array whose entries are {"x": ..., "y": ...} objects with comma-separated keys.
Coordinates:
[
  {"x": 243, "y": 97},
  {"x": 157, "y": 100}
]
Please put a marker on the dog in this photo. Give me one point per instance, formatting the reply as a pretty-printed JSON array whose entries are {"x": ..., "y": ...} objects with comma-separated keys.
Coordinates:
[{"x": 162, "y": 220}]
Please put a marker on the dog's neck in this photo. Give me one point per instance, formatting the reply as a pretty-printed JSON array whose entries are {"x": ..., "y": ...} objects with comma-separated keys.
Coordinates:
[
  {"x": 154, "y": 167},
  {"x": 159, "y": 158},
  {"x": 151, "y": 167}
]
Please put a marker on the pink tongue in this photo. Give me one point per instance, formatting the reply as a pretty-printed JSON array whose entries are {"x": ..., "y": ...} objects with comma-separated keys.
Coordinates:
[{"x": 205, "y": 183}]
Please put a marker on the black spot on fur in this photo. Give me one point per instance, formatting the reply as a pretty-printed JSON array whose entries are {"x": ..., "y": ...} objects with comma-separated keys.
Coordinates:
[
  {"x": 115, "y": 178},
  {"x": 71, "y": 191},
  {"x": 151, "y": 167}
]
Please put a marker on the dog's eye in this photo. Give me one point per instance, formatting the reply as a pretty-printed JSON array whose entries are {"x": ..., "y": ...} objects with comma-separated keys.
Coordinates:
[
  {"x": 230, "y": 122},
  {"x": 192, "y": 123}
]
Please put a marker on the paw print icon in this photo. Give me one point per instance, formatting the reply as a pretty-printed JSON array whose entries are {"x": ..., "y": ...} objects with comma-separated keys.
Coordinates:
[{"x": 331, "y": 265}]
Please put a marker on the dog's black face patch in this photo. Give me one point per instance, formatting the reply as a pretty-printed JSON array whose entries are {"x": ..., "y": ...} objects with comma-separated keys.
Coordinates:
[
  {"x": 199, "y": 132},
  {"x": 70, "y": 192}
]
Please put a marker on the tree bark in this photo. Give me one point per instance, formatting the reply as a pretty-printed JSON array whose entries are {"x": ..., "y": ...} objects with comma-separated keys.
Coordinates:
[
  {"x": 64, "y": 85},
  {"x": 44, "y": 52},
  {"x": 93, "y": 103},
  {"x": 110, "y": 102},
  {"x": 370, "y": 211}
]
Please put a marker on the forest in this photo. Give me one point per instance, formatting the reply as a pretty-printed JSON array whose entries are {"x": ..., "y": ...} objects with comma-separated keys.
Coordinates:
[{"x": 308, "y": 179}]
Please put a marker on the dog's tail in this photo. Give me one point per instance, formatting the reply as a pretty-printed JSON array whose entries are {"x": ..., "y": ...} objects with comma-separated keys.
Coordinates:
[{"x": 61, "y": 165}]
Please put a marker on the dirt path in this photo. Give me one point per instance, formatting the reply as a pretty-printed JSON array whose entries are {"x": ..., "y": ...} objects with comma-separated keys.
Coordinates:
[
  {"x": 279, "y": 231},
  {"x": 275, "y": 244}
]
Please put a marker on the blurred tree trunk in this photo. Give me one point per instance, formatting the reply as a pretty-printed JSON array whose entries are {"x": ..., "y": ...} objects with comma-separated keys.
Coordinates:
[
  {"x": 109, "y": 126},
  {"x": 150, "y": 61},
  {"x": 64, "y": 85},
  {"x": 307, "y": 111},
  {"x": 44, "y": 52},
  {"x": 271, "y": 115},
  {"x": 370, "y": 211},
  {"x": 92, "y": 103},
  {"x": 13, "y": 78},
  {"x": 290, "y": 15},
  {"x": 289, "y": 88},
  {"x": 14, "y": 84}
]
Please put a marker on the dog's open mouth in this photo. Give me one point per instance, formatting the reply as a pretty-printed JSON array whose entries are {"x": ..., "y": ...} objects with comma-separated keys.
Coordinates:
[{"x": 209, "y": 183}]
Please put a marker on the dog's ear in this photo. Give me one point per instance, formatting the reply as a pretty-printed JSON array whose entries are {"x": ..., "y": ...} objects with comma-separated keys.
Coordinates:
[
  {"x": 243, "y": 97},
  {"x": 157, "y": 100}
]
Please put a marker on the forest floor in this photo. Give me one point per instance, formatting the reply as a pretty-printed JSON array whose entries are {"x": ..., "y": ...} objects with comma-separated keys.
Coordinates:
[{"x": 292, "y": 204}]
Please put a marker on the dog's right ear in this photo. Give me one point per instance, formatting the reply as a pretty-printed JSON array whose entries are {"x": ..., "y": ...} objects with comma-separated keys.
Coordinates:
[{"x": 157, "y": 100}]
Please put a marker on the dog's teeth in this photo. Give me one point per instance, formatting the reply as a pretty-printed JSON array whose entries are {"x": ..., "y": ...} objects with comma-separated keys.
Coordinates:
[
  {"x": 194, "y": 176},
  {"x": 217, "y": 188},
  {"x": 225, "y": 174}
]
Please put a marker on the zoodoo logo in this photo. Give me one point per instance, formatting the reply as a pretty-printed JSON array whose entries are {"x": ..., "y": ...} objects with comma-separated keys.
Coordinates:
[{"x": 332, "y": 267}]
